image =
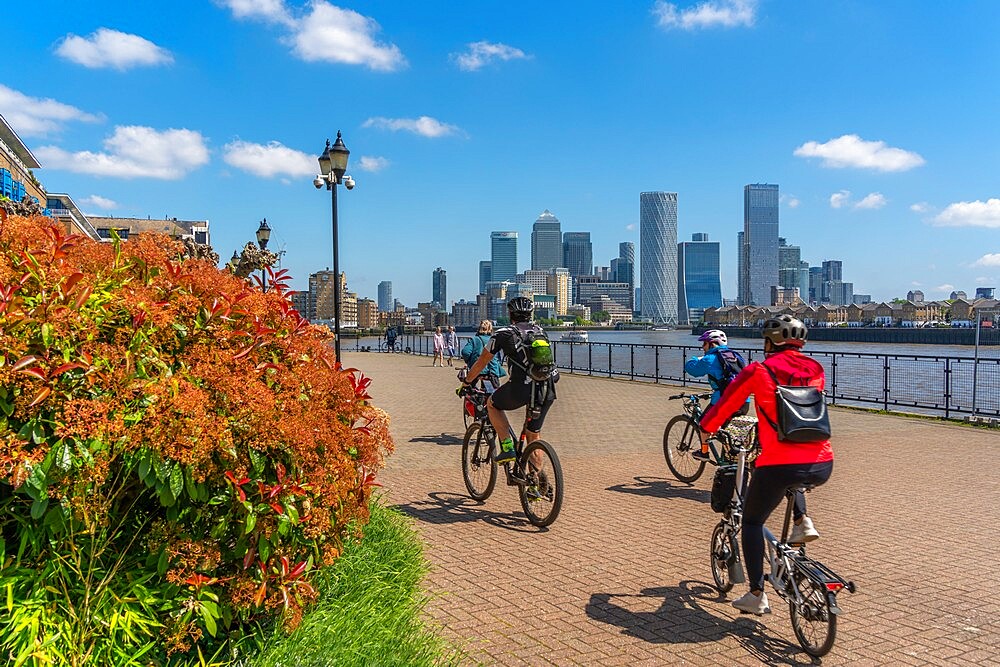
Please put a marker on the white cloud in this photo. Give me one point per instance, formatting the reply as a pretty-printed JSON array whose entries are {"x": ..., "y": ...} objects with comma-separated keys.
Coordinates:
[
  {"x": 424, "y": 126},
  {"x": 791, "y": 201},
  {"x": 970, "y": 214},
  {"x": 985, "y": 280},
  {"x": 372, "y": 163},
  {"x": 947, "y": 287},
  {"x": 329, "y": 33},
  {"x": 851, "y": 150},
  {"x": 269, "y": 160},
  {"x": 272, "y": 11},
  {"x": 630, "y": 227},
  {"x": 920, "y": 207},
  {"x": 872, "y": 201},
  {"x": 840, "y": 199},
  {"x": 989, "y": 259},
  {"x": 480, "y": 54},
  {"x": 135, "y": 152},
  {"x": 916, "y": 284},
  {"x": 111, "y": 48},
  {"x": 100, "y": 202},
  {"x": 709, "y": 14},
  {"x": 33, "y": 116}
]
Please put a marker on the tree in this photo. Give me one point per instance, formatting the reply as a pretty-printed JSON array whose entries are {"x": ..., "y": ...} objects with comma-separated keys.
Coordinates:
[{"x": 601, "y": 316}]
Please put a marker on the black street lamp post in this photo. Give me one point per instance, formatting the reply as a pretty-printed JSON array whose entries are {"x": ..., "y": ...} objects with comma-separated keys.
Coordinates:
[
  {"x": 263, "y": 236},
  {"x": 332, "y": 166}
]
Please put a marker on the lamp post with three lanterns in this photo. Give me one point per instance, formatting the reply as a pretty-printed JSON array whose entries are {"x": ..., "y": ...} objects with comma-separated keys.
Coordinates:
[{"x": 332, "y": 167}]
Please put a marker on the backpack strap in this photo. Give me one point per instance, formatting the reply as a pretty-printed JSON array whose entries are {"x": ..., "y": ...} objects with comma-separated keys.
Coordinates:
[{"x": 771, "y": 422}]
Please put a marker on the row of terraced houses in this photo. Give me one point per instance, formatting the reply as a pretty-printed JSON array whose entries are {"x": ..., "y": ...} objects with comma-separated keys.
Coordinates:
[{"x": 957, "y": 313}]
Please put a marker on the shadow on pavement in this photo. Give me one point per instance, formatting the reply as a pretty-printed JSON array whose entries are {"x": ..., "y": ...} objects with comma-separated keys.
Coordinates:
[
  {"x": 658, "y": 487},
  {"x": 443, "y": 439},
  {"x": 680, "y": 618},
  {"x": 445, "y": 508}
]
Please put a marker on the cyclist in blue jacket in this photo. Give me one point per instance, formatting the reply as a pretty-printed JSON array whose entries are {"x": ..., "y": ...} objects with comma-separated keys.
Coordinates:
[{"x": 721, "y": 365}]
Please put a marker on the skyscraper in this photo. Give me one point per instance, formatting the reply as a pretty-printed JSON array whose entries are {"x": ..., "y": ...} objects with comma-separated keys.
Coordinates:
[
  {"x": 485, "y": 274},
  {"x": 503, "y": 260},
  {"x": 546, "y": 242},
  {"x": 385, "y": 296},
  {"x": 623, "y": 268},
  {"x": 789, "y": 258},
  {"x": 699, "y": 284},
  {"x": 439, "y": 287},
  {"x": 658, "y": 256},
  {"x": 760, "y": 236},
  {"x": 804, "y": 280},
  {"x": 578, "y": 254}
]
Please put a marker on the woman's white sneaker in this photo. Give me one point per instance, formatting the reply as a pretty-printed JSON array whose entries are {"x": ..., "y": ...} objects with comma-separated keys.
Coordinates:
[
  {"x": 753, "y": 604},
  {"x": 803, "y": 532}
]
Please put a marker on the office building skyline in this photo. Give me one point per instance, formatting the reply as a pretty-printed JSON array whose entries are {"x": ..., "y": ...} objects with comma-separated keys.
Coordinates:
[
  {"x": 385, "y": 304},
  {"x": 546, "y": 242},
  {"x": 439, "y": 287},
  {"x": 658, "y": 256},
  {"x": 578, "y": 254}
]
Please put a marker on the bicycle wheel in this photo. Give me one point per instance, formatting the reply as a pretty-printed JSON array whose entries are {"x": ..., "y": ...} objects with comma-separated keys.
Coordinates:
[
  {"x": 542, "y": 496},
  {"x": 815, "y": 627},
  {"x": 722, "y": 556},
  {"x": 479, "y": 470},
  {"x": 680, "y": 440}
]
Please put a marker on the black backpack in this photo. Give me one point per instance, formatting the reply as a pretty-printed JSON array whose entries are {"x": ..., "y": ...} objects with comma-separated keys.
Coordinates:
[
  {"x": 801, "y": 412},
  {"x": 535, "y": 352},
  {"x": 732, "y": 363}
]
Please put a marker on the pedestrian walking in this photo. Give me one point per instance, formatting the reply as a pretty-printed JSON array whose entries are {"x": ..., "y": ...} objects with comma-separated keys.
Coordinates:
[
  {"x": 438, "y": 347},
  {"x": 451, "y": 342}
]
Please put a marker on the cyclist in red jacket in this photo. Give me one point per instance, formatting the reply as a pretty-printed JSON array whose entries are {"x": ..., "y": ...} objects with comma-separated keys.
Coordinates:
[{"x": 780, "y": 465}]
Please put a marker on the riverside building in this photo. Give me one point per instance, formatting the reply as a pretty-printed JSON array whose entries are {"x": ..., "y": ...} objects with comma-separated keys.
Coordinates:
[{"x": 658, "y": 254}]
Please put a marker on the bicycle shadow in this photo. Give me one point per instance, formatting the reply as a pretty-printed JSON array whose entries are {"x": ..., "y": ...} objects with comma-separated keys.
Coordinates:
[
  {"x": 659, "y": 487},
  {"x": 448, "y": 508},
  {"x": 444, "y": 439},
  {"x": 681, "y": 618}
]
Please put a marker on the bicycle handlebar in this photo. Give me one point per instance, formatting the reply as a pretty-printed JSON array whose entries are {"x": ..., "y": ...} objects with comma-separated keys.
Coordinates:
[{"x": 700, "y": 397}]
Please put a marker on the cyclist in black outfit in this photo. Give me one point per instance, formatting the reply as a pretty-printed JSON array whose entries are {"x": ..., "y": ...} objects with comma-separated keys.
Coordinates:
[{"x": 517, "y": 392}]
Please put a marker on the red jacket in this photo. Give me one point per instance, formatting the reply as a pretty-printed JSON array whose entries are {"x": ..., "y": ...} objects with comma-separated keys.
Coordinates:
[{"x": 790, "y": 367}]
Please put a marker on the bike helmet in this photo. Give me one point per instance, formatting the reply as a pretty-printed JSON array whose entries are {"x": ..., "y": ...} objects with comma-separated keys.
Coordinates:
[
  {"x": 520, "y": 308},
  {"x": 785, "y": 330},
  {"x": 714, "y": 336}
]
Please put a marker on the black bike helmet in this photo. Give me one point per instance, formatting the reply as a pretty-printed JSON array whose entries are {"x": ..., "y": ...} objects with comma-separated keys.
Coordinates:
[
  {"x": 520, "y": 308},
  {"x": 785, "y": 330}
]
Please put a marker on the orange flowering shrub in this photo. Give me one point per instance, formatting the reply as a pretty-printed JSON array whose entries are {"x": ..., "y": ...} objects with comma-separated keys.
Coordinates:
[{"x": 178, "y": 450}]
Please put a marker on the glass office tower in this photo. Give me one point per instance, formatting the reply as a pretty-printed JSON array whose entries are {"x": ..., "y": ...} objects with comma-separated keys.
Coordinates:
[
  {"x": 439, "y": 287},
  {"x": 658, "y": 256},
  {"x": 503, "y": 260},
  {"x": 760, "y": 239},
  {"x": 578, "y": 254},
  {"x": 546, "y": 242},
  {"x": 699, "y": 284},
  {"x": 385, "y": 304}
]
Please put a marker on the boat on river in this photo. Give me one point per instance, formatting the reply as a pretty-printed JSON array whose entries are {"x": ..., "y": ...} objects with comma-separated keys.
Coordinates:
[{"x": 575, "y": 337}]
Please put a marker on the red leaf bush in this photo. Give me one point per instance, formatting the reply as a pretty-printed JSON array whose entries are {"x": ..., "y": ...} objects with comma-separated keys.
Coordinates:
[{"x": 179, "y": 452}]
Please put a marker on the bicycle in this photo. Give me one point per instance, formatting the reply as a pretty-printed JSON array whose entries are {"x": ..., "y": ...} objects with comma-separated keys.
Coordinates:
[
  {"x": 809, "y": 587},
  {"x": 538, "y": 476},
  {"x": 681, "y": 438}
]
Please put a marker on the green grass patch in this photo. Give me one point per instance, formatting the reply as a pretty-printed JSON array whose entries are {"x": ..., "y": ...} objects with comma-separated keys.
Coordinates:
[{"x": 369, "y": 609}]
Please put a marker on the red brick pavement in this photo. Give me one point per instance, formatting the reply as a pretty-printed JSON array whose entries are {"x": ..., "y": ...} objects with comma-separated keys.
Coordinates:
[{"x": 622, "y": 577}]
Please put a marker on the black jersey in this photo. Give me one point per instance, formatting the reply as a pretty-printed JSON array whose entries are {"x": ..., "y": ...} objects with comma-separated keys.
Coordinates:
[{"x": 507, "y": 339}]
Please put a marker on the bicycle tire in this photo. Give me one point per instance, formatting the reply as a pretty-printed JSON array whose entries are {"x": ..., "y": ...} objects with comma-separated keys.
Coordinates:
[
  {"x": 722, "y": 555},
  {"x": 542, "y": 511},
  {"x": 479, "y": 470},
  {"x": 814, "y": 626},
  {"x": 677, "y": 448}
]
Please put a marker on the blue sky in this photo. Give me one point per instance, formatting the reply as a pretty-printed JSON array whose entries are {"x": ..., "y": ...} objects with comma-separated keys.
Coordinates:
[{"x": 877, "y": 119}]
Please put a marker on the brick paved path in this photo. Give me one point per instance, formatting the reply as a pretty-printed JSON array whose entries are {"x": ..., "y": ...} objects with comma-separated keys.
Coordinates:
[{"x": 622, "y": 577}]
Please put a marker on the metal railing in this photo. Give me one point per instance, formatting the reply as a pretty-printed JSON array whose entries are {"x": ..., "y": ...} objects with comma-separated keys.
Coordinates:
[{"x": 939, "y": 385}]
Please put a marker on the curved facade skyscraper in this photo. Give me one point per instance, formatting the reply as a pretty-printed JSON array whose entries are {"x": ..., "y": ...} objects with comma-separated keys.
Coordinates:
[{"x": 658, "y": 256}]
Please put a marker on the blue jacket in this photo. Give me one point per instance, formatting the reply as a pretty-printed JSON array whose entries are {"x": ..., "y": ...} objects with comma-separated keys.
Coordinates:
[
  {"x": 709, "y": 365},
  {"x": 474, "y": 348}
]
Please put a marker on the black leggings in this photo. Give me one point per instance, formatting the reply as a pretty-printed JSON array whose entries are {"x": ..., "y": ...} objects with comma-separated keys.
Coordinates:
[{"x": 767, "y": 489}]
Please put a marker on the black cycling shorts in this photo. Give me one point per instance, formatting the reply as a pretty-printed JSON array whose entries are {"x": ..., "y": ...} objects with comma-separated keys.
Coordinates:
[{"x": 514, "y": 395}]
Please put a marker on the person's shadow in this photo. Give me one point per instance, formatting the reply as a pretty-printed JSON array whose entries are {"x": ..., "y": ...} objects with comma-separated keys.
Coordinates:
[
  {"x": 446, "y": 508},
  {"x": 659, "y": 487},
  {"x": 443, "y": 439},
  {"x": 681, "y": 618}
]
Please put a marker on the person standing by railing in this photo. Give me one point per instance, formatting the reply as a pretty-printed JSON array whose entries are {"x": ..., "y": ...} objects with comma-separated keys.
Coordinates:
[{"x": 438, "y": 348}]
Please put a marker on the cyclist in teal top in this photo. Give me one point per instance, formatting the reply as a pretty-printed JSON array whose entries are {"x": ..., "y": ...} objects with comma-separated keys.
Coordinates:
[{"x": 721, "y": 365}]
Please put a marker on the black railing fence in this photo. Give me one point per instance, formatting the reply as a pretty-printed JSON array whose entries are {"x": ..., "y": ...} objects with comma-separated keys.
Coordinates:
[{"x": 925, "y": 384}]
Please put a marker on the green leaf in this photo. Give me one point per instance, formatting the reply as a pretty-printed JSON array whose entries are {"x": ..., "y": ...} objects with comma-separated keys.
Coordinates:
[
  {"x": 46, "y": 334},
  {"x": 166, "y": 498},
  {"x": 251, "y": 523},
  {"x": 162, "y": 470},
  {"x": 293, "y": 514},
  {"x": 257, "y": 460},
  {"x": 144, "y": 466},
  {"x": 161, "y": 564},
  {"x": 209, "y": 621},
  {"x": 190, "y": 487},
  {"x": 8, "y": 408},
  {"x": 176, "y": 481},
  {"x": 38, "y": 508},
  {"x": 263, "y": 549},
  {"x": 64, "y": 457}
]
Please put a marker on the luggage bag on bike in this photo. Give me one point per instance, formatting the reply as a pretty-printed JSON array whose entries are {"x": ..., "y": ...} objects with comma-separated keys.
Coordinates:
[{"x": 723, "y": 487}]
